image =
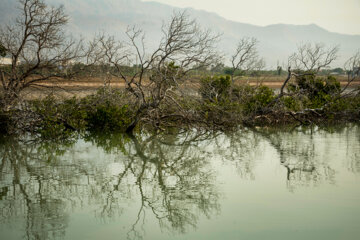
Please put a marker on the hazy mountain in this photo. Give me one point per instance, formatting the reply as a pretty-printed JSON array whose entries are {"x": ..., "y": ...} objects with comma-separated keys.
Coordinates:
[{"x": 277, "y": 41}]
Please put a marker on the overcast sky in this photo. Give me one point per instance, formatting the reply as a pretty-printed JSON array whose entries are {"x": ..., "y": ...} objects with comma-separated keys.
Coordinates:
[{"x": 342, "y": 16}]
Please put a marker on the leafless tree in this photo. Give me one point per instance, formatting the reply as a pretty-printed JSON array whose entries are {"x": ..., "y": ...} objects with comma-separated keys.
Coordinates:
[
  {"x": 313, "y": 57},
  {"x": 352, "y": 67},
  {"x": 309, "y": 59},
  {"x": 246, "y": 56},
  {"x": 38, "y": 47},
  {"x": 184, "y": 47}
]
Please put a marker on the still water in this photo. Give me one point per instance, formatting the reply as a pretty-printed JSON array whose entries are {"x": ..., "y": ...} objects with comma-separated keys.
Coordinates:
[{"x": 300, "y": 183}]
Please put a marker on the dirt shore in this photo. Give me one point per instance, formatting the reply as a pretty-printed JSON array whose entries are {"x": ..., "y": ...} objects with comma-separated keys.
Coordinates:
[
  {"x": 91, "y": 83},
  {"x": 85, "y": 86}
]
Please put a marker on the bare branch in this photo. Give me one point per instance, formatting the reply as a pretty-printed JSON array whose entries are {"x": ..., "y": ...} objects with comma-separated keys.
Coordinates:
[
  {"x": 183, "y": 48},
  {"x": 246, "y": 56},
  {"x": 38, "y": 47},
  {"x": 352, "y": 68},
  {"x": 313, "y": 57}
]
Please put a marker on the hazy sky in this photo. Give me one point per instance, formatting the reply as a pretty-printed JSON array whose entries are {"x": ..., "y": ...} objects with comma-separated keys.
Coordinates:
[{"x": 342, "y": 16}]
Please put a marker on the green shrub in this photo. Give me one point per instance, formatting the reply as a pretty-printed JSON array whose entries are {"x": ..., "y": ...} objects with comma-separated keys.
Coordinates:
[
  {"x": 291, "y": 103},
  {"x": 74, "y": 113},
  {"x": 109, "y": 116},
  {"x": 259, "y": 98},
  {"x": 351, "y": 104},
  {"x": 317, "y": 90},
  {"x": 216, "y": 88},
  {"x": 53, "y": 117},
  {"x": 107, "y": 110},
  {"x": 104, "y": 110},
  {"x": 242, "y": 93}
]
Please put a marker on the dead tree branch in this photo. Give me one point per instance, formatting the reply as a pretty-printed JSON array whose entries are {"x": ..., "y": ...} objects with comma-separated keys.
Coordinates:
[
  {"x": 246, "y": 56},
  {"x": 183, "y": 48},
  {"x": 38, "y": 46}
]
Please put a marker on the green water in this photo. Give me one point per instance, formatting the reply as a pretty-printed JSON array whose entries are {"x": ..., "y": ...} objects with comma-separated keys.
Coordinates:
[{"x": 301, "y": 183}]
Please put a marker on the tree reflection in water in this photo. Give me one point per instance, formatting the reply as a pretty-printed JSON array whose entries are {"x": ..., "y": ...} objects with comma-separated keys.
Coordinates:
[
  {"x": 239, "y": 149},
  {"x": 306, "y": 157},
  {"x": 30, "y": 181},
  {"x": 168, "y": 177},
  {"x": 173, "y": 181}
]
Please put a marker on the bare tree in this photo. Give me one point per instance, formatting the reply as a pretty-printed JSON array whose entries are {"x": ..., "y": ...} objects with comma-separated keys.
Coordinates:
[
  {"x": 184, "y": 47},
  {"x": 352, "y": 68},
  {"x": 309, "y": 59},
  {"x": 38, "y": 47},
  {"x": 246, "y": 56},
  {"x": 313, "y": 57}
]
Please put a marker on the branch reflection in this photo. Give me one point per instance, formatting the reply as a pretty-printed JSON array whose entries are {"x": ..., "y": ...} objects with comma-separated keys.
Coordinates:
[
  {"x": 164, "y": 174},
  {"x": 169, "y": 179},
  {"x": 305, "y": 152}
]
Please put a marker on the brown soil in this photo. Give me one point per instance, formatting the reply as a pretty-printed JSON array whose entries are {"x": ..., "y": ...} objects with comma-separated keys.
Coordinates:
[
  {"x": 91, "y": 83},
  {"x": 85, "y": 86}
]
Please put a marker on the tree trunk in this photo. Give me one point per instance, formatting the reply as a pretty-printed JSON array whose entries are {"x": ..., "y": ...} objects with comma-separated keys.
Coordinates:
[
  {"x": 143, "y": 107},
  {"x": 132, "y": 125}
]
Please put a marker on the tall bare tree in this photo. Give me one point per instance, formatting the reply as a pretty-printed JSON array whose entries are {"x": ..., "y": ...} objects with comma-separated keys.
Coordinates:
[
  {"x": 184, "y": 47},
  {"x": 246, "y": 56},
  {"x": 38, "y": 47}
]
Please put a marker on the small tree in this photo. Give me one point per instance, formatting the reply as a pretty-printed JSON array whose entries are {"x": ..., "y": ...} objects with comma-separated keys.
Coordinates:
[
  {"x": 352, "y": 68},
  {"x": 313, "y": 57},
  {"x": 184, "y": 47},
  {"x": 246, "y": 57},
  {"x": 38, "y": 47},
  {"x": 308, "y": 60}
]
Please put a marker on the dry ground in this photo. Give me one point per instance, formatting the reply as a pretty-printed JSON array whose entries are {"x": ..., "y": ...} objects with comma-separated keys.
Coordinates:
[{"x": 84, "y": 86}]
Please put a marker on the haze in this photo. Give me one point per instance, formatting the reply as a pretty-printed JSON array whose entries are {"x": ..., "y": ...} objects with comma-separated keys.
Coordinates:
[{"x": 333, "y": 15}]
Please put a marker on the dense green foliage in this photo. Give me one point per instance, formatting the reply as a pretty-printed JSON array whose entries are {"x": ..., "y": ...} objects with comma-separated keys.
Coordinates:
[
  {"x": 53, "y": 117},
  {"x": 103, "y": 111},
  {"x": 108, "y": 116},
  {"x": 259, "y": 98},
  {"x": 215, "y": 89},
  {"x": 221, "y": 105},
  {"x": 225, "y": 105},
  {"x": 219, "y": 90},
  {"x": 317, "y": 90}
]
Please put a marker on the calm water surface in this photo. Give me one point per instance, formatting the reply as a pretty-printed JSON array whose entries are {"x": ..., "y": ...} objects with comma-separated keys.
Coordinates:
[{"x": 301, "y": 183}]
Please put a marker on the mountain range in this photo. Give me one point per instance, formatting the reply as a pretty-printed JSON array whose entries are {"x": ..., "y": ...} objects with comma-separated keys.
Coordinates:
[{"x": 276, "y": 42}]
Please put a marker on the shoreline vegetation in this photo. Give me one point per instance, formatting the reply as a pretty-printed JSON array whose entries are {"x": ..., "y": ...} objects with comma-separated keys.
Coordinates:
[
  {"x": 214, "y": 107},
  {"x": 184, "y": 83}
]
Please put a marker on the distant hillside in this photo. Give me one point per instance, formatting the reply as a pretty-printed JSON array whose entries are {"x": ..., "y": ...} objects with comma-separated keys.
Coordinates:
[{"x": 277, "y": 42}]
